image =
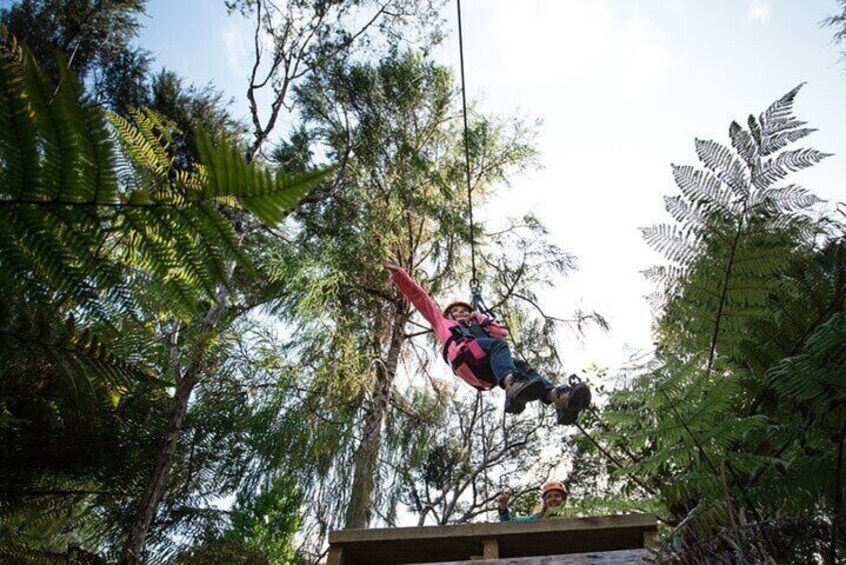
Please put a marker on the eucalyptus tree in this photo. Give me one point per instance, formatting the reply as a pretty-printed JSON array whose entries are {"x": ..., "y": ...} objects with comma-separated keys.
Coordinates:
[
  {"x": 294, "y": 39},
  {"x": 96, "y": 36},
  {"x": 738, "y": 420}
]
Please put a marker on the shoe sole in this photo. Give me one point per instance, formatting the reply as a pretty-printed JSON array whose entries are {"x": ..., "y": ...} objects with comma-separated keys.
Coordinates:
[
  {"x": 578, "y": 401},
  {"x": 533, "y": 391}
]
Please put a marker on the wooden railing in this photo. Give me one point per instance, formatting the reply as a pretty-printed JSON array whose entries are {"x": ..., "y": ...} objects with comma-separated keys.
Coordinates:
[{"x": 625, "y": 537}]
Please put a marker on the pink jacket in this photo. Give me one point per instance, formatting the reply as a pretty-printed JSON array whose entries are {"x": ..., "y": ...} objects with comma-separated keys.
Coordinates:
[{"x": 443, "y": 327}]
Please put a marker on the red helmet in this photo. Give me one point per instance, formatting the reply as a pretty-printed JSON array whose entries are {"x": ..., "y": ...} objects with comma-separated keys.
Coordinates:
[
  {"x": 452, "y": 305},
  {"x": 553, "y": 485}
]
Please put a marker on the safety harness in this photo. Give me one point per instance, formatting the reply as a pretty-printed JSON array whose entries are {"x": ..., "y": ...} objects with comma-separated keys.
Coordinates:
[{"x": 472, "y": 353}]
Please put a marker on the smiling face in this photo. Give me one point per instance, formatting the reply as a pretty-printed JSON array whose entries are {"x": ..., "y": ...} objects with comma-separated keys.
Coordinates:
[
  {"x": 460, "y": 313},
  {"x": 554, "y": 498}
]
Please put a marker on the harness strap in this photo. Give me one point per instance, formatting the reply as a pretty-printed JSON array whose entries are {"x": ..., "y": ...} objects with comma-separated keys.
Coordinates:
[{"x": 462, "y": 333}]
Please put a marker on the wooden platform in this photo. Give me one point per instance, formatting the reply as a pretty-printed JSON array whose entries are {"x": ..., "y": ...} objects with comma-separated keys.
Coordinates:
[{"x": 557, "y": 541}]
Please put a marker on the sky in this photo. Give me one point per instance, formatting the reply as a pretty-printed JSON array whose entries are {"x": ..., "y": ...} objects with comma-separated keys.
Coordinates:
[{"x": 623, "y": 88}]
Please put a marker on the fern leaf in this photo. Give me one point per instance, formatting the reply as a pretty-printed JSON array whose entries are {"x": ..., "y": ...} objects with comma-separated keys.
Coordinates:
[
  {"x": 18, "y": 144},
  {"x": 782, "y": 139},
  {"x": 782, "y": 199},
  {"x": 703, "y": 189},
  {"x": 676, "y": 244},
  {"x": 227, "y": 173},
  {"x": 778, "y": 167},
  {"x": 719, "y": 159},
  {"x": 779, "y": 116},
  {"x": 744, "y": 144}
]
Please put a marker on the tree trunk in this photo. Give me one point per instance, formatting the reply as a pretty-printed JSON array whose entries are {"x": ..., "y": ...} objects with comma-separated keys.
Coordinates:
[
  {"x": 134, "y": 545},
  {"x": 360, "y": 508}
]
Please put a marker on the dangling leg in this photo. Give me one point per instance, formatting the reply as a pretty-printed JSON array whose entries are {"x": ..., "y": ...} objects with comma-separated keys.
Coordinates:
[
  {"x": 569, "y": 400},
  {"x": 519, "y": 386},
  {"x": 526, "y": 369}
]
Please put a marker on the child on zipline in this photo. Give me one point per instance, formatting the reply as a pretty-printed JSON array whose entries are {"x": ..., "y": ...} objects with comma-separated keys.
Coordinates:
[{"x": 474, "y": 347}]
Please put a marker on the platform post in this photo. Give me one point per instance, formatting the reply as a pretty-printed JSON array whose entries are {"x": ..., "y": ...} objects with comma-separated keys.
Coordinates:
[
  {"x": 336, "y": 556},
  {"x": 490, "y": 548}
]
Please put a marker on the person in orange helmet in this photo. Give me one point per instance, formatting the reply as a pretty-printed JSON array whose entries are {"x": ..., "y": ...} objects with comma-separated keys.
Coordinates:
[
  {"x": 553, "y": 501},
  {"x": 475, "y": 348}
]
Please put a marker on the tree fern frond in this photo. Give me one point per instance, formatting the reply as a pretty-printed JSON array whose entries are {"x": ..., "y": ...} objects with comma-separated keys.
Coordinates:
[
  {"x": 58, "y": 142},
  {"x": 719, "y": 160},
  {"x": 755, "y": 130},
  {"x": 778, "y": 167},
  {"x": 779, "y": 116},
  {"x": 676, "y": 244},
  {"x": 786, "y": 198},
  {"x": 744, "y": 144},
  {"x": 33, "y": 343},
  {"x": 683, "y": 211},
  {"x": 96, "y": 151},
  {"x": 18, "y": 144},
  {"x": 663, "y": 275},
  {"x": 782, "y": 139},
  {"x": 226, "y": 173},
  {"x": 745, "y": 321},
  {"x": 703, "y": 189},
  {"x": 813, "y": 374}
]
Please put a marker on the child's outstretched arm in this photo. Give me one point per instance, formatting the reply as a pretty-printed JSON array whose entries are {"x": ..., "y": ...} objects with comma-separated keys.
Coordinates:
[{"x": 415, "y": 294}]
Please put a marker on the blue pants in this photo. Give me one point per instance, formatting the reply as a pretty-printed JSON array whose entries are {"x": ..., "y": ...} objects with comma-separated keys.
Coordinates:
[{"x": 501, "y": 362}]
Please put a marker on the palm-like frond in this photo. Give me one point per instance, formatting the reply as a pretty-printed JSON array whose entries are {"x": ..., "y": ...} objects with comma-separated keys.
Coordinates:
[
  {"x": 749, "y": 319},
  {"x": 79, "y": 214},
  {"x": 735, "y": 231}
]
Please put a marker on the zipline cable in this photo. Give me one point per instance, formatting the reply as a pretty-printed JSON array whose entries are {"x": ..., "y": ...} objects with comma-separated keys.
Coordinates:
[{"x": 474, "y": 281}]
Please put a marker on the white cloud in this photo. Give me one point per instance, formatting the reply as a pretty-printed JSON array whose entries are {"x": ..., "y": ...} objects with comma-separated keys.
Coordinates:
[
  {"x": 577, "y": 40},
  {"x": 677, "y": 7},
  {"x": 758, "y": 11},
  {"x": 235, "y": 46}
]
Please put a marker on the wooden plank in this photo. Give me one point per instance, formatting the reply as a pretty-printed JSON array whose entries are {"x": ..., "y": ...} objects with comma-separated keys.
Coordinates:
[
  {"x": 646, "y": 521},
  {"x": 514, "y": 539},
  {"x": 626, "y": 556},
  {"x": 490, "y": 549}
]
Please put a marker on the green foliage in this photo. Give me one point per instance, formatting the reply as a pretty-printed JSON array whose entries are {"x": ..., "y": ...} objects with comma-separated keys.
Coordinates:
[
  {"x": 734, "y": 420},
  {"x": 96, "y": 34},
  {"x": 261, "y": 532},
  {"x": 105, "y": 242},
  {"x": 75, "y": 215}
]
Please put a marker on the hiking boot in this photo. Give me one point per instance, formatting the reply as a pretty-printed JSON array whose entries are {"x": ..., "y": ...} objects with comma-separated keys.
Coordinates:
[
  {"x": 520, "y": 389},
  {"x": 569, "y": 400}
]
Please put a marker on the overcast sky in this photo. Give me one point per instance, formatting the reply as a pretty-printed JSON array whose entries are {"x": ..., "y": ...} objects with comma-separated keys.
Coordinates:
[{"x": 623, "y": 87}]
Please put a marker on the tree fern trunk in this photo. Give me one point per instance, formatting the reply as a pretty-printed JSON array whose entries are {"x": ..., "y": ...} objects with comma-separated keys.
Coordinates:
[
  {"x": 837, "y": 515},
  {"x": 360, "y": 508},
  {"x": 134, "y": 545}
]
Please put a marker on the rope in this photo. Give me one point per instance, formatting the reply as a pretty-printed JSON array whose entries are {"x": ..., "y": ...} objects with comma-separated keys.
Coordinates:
[
  {"x": 474, "y": 282},
  {"x": 475, "y": 289},
  {"x": 481, "y": 410}
]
